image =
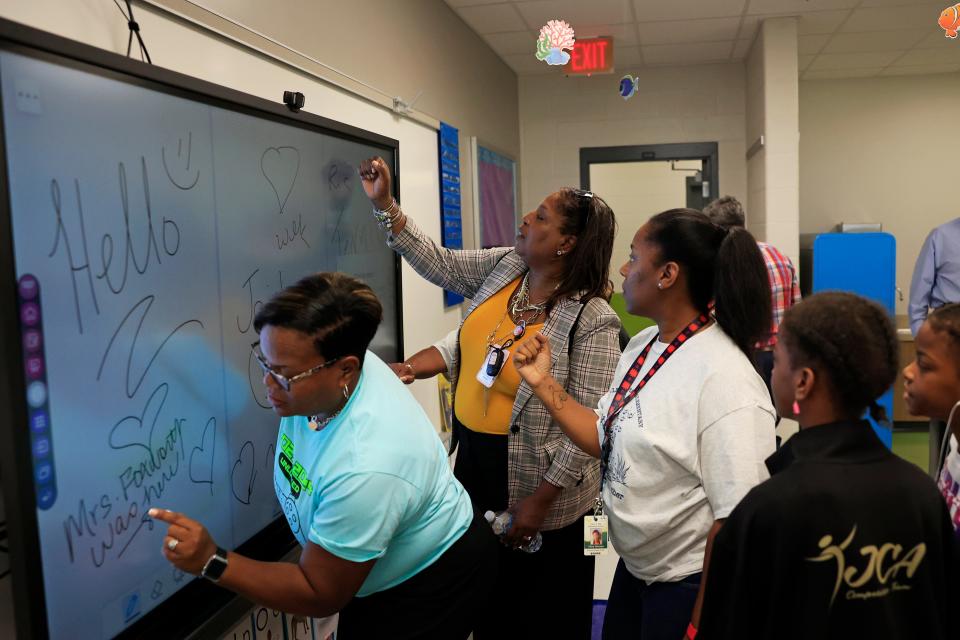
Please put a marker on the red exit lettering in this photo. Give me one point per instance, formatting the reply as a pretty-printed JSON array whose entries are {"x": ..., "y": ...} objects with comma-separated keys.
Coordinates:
[{"x": 591, "y": 55}]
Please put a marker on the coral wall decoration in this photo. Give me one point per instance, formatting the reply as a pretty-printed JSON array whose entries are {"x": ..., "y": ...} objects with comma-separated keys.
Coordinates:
[{"x": 555, "y": 36}]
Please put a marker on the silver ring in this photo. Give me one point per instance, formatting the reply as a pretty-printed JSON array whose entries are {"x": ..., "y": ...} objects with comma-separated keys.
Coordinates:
[{"x": 172, "y": 544}]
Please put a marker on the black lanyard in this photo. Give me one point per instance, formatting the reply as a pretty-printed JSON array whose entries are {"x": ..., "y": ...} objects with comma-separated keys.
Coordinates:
[{"x": 625, "y": 394}]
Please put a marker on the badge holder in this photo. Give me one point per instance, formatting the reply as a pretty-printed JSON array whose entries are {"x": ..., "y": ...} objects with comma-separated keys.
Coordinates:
[{"x": 596, "y": 532}]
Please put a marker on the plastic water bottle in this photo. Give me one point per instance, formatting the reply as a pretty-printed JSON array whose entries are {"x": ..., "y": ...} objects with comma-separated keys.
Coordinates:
[{"x": 501, "y": 522}]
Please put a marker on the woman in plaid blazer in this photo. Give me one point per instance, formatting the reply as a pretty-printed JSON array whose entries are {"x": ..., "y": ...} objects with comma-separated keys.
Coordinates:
[{"x": 555, "y": 280}]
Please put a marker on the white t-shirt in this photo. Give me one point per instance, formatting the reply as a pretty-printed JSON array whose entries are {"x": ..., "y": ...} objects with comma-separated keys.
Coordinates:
[{"x": 685, "y": 451}]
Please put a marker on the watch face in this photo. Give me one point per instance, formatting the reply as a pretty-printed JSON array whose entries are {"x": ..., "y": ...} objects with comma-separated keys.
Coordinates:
[{"x": 216, "y": 565}]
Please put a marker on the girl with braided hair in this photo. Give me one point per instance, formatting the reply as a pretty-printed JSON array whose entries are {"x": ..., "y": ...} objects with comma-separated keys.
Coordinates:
[
  {"x": 845, "y": 540},
  {"x": 932, "y": 388}
]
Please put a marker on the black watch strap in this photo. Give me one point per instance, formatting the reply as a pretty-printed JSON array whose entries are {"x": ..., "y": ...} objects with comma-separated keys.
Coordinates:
[{"x": 216, "y": 565}]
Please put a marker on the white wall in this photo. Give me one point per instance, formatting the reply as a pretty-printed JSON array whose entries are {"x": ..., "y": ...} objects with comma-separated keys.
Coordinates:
[
  {"x": 559, "y": 115},
  {"x": 636, "y": 191},
  {"x": 773, "y": 172},
  {"x": 880, "y": 150},
  {"x": 176, "y": 46}
]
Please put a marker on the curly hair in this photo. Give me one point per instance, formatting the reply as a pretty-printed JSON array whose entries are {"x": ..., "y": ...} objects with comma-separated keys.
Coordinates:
[
  {"x": 339, "y": 311},
  {"x": 850, "y": 339},
  {"x": 946, "y": 319}
]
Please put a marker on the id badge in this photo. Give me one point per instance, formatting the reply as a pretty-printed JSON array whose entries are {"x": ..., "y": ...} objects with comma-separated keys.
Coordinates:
[
  {"x": 492, "y": 365},
  {"x": 595, "y": 535}
]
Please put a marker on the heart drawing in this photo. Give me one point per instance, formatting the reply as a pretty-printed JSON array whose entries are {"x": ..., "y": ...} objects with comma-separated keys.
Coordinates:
[
  {"x": 202, "y": 471},
  {"x": 281, "y": 166}
]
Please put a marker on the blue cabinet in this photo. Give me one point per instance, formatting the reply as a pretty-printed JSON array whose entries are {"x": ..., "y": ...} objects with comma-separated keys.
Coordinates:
[{"x": 865, "y": 264}]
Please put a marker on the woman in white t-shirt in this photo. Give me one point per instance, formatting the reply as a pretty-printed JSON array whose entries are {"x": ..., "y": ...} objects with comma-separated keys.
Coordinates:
[{"x": 683, "y": 434}]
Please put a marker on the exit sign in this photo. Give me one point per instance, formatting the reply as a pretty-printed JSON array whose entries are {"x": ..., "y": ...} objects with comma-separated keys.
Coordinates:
[{"x": 590, "y": 56}]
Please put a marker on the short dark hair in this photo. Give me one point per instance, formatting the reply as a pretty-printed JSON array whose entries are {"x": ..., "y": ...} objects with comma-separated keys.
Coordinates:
[
  {"x": 852, "y": 340},
  {"x": 341, "y": 312},
  {"x": 721, "y": 265},
  {"x": 587, "y": 267},
  {"x": 946, "y": 319},
  {"x": 726, "y": 212}
]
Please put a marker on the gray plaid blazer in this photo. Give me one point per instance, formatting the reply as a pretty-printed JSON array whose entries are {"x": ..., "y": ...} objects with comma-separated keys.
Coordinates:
[{"x": 585, "y": 349}]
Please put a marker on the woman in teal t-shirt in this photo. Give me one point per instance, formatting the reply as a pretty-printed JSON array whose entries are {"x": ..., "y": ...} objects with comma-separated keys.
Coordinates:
[{"x": 389, "y": 536}]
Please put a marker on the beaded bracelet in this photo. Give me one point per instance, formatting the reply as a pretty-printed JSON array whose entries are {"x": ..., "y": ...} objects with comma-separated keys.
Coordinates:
[{"x": 386, "y": 218}]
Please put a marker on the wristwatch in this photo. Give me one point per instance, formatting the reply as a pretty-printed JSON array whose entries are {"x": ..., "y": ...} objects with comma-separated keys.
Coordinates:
[{"x": 215, "y": 566}]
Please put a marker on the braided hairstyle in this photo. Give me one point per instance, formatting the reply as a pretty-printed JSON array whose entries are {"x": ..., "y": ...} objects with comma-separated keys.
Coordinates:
[
  {"x": 852, "y": 341},
  {"x": 946, "y": 319}
]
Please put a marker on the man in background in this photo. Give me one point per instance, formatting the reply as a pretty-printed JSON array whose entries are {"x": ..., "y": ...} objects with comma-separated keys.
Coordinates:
[
  {"x": 936, "y": 281},
  {"x": 727, "y": 212}
]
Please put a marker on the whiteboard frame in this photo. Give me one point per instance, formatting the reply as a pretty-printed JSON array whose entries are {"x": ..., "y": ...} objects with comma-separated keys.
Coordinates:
[{"x": 201, "y": 608}]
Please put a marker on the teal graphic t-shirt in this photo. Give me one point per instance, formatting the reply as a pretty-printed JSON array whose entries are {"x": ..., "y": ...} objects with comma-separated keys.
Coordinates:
[{"x": 374, "y": 483}]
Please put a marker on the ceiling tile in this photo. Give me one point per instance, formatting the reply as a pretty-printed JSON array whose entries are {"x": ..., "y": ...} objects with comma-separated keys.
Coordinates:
[
  {"x": 902, "y": 40},
  {"x": 832, "y": 74},
  {"x": 808, "y": 45},
  {"x": 741, "y": 49},
  {"x": 512, "y": 42},
  {"x": 626, "y": 57},
  {"x": 527, "y": 64},
  {"x": 915, "y": 16},
  {"x": 804, "y": 61},
  {"x": 821, "y": 22},
  {"x": 494, "y": 18},
  {"x": 648, "y": 10},
  {"x": 682, "y": 31},
  {"x": 576, "y": 12},
  {"x": 929, "y": 56},
  {"x": 813, "y": 23},
  {"x": 467, "y": 3},
  {"x": 799, "y": 6},
  {"x": 621, "y": 33},
  {"x": 678, "y": 54},
  {"x": 937, "y": 39},
  {"x": 854, "y": 60},
  {"x": 889, "y": 3},
  {"x": 922, "y": 69}
]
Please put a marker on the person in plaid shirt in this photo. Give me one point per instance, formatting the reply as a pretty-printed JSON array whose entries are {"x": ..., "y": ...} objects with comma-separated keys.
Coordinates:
[{"x": 727, "y": 212}]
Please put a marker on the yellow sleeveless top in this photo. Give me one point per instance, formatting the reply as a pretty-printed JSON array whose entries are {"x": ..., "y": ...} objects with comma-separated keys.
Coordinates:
[{"x": 478, "y": 408}]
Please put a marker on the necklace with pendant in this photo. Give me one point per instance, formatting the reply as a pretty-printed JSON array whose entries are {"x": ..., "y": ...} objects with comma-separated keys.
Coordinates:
[{"x": 317, "y": 423}]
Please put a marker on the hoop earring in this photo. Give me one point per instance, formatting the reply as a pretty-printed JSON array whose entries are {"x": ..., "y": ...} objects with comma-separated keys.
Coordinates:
[
  {"x": 796, "y": 408},
  {"x": 559, "y": 252},
  {"x": 346, "y": 394}
]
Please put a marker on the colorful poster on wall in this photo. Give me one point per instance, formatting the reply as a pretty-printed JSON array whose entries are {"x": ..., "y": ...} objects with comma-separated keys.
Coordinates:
[{"x": 497, "y": 201}]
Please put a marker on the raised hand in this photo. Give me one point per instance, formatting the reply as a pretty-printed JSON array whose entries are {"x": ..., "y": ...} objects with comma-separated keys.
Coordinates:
[
  {"x": 532, "y": 359},
  {"x": 375, "y": 177}
]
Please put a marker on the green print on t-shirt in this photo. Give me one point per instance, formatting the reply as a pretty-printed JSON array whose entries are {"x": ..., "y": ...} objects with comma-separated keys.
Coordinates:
[{"x": 292, "y": 470}]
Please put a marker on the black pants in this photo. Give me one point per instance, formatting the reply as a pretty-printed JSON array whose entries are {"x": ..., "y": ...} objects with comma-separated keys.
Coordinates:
[
  {"x": 547, "y": 594},
  {"x": 637, "y": 610},
  {"x": 442, "y": 602}
]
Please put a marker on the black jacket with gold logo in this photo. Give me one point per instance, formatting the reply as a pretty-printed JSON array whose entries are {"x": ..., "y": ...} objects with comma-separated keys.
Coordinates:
[{"x": 845, "y": 540}]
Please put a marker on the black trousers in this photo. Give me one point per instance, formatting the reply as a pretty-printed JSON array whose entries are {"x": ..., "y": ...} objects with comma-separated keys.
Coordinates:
[
  {"x": 442, "y": 602},
  {"x": 638, "y": 610},
  {"x": 547, "y": 594}
]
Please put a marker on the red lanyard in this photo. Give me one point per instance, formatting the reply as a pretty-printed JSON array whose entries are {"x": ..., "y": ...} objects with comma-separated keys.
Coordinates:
[{"x": 625, "y": 394}]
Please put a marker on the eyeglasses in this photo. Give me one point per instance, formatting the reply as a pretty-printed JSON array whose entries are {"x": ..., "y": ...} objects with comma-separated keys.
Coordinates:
[{"x": 282, "y": 380}]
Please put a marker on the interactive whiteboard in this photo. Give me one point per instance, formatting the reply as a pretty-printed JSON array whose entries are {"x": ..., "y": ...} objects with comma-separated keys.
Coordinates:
[{"x": 148, "y": 225}]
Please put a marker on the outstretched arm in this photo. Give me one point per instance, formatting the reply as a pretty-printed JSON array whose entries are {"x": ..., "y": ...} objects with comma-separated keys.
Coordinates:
[{"x": 579, "y": 423}]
